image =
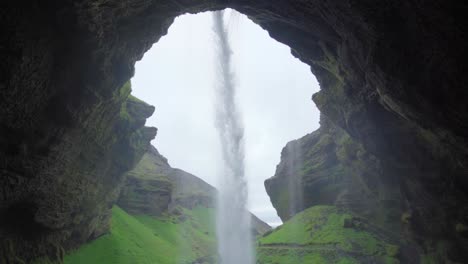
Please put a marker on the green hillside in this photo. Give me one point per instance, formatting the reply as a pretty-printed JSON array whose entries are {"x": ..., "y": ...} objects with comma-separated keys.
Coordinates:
[
  {"x": 325, "y": 234},
  {"x": 145, "y": 239},
  {"x": 320, "y": 234}
]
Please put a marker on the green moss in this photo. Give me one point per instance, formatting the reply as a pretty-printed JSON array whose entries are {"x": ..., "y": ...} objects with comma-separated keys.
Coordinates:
[
  {"x": 147, "y": 168},
  {"x": 347, "y": 260},
  {"x": 144, "y": 239},
  {"x": 123, "y": 93},
  {"x": 135, "y": 99},
  {"x": 125, "y": 90},
  {"x": 320, "y": 229},
  {"x": 348, "y": 149},
  {"x": 283, "y": 201},
  {"x": 436, "y": 252},
  {"x": 392, "y": 250},
  {"x": 288, "y": 255}
]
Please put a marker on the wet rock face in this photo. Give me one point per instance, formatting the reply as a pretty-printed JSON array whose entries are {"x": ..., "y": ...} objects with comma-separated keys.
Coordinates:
[
  {"x": 391, "y": 73},
  {"x": 61, "y": 198},
  {"x": 327, "y": 167}
]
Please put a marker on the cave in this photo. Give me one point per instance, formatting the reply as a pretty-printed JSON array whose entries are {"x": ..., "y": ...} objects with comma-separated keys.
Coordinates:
[{"x": 392, "y": 90}]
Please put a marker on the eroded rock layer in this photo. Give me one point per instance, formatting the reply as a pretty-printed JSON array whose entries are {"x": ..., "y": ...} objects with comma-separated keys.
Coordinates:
[
  {"x": 55, "y": 199},
  {"x": 327, "y": 167},
  {"x": 392, "y": 76},
  {"x": 154, "y": 188}
]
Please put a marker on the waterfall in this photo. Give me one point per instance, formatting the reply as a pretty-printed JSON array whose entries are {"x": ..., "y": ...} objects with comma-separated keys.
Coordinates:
[{"x": 233, "y": 220}]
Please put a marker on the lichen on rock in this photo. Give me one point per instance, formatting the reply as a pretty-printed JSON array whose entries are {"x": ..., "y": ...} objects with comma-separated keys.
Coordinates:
[
  {"x": 154, "y": 188},
  {"x": 73, "y": 192},
  {"x": 391, "y": 73}
]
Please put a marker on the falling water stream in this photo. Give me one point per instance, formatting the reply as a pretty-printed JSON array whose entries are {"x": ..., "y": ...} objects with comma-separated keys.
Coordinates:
[{"x": 233, "y": 220}]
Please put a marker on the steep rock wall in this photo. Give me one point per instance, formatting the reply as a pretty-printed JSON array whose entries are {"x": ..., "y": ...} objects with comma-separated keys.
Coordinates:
[
  {"x": 327, "y": 167},
  {"x": 147, "y": 189},
  {"x": 154, "y": 188},
  {"x": 62, "y": 198},
  {"x": 391, "y": 74}
]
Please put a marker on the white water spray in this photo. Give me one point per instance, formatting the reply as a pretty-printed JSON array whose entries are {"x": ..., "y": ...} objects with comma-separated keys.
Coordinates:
[{"x": 233, "y": 220}]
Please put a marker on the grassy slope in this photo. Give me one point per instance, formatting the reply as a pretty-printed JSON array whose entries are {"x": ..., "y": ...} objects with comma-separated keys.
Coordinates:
[
  {"x": 143, "y": 239},
  {"x": 317, "y": 235}
]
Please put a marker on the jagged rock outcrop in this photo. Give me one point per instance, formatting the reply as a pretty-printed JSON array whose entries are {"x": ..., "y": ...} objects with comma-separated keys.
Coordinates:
[
  {"x": 147, "y": 189},
  {"x": 66, "y": 196},
  {"x": 391, "y": 74},
  {"x": 153, "y": 187},
  {"x": 327, "y": 167}
]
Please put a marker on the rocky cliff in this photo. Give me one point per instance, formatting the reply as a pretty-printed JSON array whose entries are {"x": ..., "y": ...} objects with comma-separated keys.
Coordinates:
[
  {"x": 392, "y": 76},
  {"x": 327, "y": 167},
  {"x": 62, "y": 197},
  {"x": 154, "y": 188},
  {"x": 147, "y": 189}
]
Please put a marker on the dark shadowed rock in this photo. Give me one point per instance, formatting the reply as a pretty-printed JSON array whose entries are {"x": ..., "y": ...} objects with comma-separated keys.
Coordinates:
[
  {"x": 327, "y": 167},
  {"x": 73, "y": 194},
  {"x": 392, "y": 76}
]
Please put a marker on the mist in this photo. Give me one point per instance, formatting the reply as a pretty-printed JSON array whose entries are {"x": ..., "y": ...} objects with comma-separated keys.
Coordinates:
[
  {"x": 233, "y": 220},
  {"x": 272, "y": 87}
]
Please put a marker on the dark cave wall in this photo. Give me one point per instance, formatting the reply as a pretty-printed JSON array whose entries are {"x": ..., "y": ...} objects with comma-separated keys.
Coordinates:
[
  {"x": 57, "y": 200},
  {"x": 392, "y": 76},
  {"x": 328, "y": 167}
]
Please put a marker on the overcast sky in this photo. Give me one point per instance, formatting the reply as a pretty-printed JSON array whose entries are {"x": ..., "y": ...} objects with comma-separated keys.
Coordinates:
[{"x": 274, "y": 89}]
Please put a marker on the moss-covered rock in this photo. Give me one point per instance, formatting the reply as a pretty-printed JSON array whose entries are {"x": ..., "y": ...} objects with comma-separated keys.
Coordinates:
[
  {"x": 320, "y": 234},
  {"x": 392, "y": 75},
  {"x": 154, "y": 188},
  {"x": 73, "y": 192},
  {"x": 327, "y": 167},
  {"x": 147, "y": 189}
]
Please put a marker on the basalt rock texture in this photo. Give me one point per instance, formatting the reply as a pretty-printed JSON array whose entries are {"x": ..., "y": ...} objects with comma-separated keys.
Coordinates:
[
  {"x": 327, "y": 167},
  {"x": 154, "y": 188},
  {"x": 147, "y": 190},
  {"x": 392, "y": 76},
  {"x": 62, "y": 197}
]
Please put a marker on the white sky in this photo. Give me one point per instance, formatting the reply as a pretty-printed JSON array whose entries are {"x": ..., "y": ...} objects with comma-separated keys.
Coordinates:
[{"x": 274, "y": 89}]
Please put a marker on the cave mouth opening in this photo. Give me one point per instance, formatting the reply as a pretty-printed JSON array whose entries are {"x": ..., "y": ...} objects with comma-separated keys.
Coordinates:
[
  {"x": 178, "y": 76},
  {"x": 273, "y": 91}
]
